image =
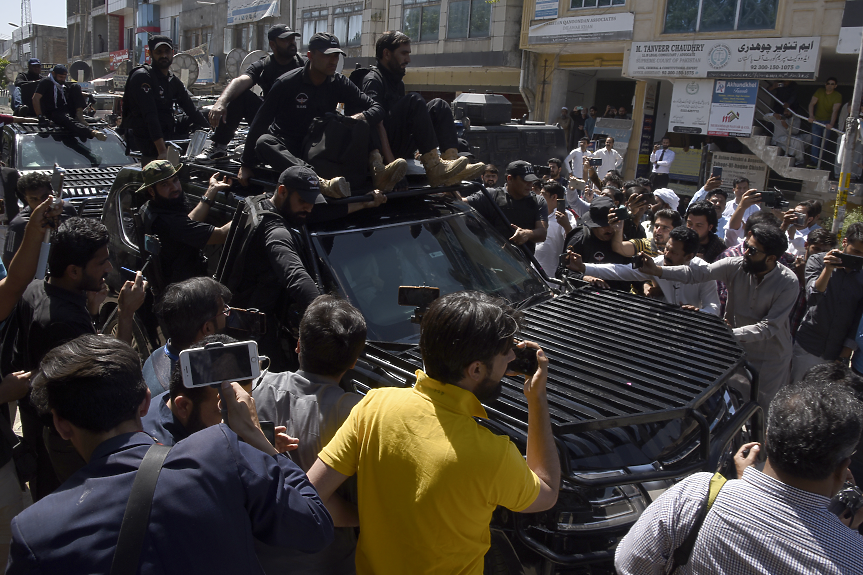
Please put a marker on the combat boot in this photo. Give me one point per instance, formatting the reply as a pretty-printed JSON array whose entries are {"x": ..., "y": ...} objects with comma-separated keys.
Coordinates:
[
  {"x": 335, "y": 188},
  {"x": 438, "y": 170},
  {"x": 385, "y": 177},
  {"x": 470, "y": 172}
]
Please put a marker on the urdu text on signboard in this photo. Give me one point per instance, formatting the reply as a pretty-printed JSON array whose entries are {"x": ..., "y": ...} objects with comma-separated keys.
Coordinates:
[{"x": 787, "y": 58}]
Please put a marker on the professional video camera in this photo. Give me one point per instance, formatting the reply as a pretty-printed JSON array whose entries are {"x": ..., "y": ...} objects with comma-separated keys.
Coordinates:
[
  {"x": 541, "y": 171},
  {"x": 774, "y": 199},
  {"x": 847, "y": 502}
]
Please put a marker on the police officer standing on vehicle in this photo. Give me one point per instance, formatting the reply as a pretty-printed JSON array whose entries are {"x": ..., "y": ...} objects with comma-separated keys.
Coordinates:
[
  {"x": 238, "y": 102},
  {"x": 148, "y": 106},
  {"x": 33, "y": 74}
]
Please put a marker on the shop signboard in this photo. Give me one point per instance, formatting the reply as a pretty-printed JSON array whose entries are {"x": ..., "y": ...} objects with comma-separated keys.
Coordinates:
[
  {"x": 740, "y": 166},
  {"x": 788, "y": 58},
  {"x": 240, "y": 11},
  {"x": 545, "y": 9},
  {"x": 598, "y": 28},
  {"x": 733, "y": 108},
  {"x": 116, "y": 57},
  {"x": 852, "y": 28},
  {"x": 690, "y": 106},
  {"x": 686, "y": 164}
]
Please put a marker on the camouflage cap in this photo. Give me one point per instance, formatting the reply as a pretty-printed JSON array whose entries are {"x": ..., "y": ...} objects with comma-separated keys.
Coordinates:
[{"x": 157, "y": 171}]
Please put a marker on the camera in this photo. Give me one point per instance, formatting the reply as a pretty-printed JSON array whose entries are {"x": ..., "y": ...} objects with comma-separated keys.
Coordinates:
[
  {"x": 773, "y": 199},
  {"x": 848, "y": 500},
  {"x": 525, "y": 361},
  {"x": 542, "y": 171}
]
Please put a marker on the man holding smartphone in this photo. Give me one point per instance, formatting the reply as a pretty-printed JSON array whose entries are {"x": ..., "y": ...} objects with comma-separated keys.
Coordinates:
[
  {"x": 834, "y": 292},
  {"x": 214, "y": 493},
  {"x": 429, "y": 476},
  {"x": 611, "y": 159},
  {"x": 799, "y": 222}
]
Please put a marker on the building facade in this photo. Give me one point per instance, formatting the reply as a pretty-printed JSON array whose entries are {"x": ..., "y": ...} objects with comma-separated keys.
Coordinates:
[{"x": 48, "y": 43}]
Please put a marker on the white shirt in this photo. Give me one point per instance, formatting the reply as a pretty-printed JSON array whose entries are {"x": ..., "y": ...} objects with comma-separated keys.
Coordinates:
[
  {"x": 575, "y": 160},
  {"x": 733, "y": 237},
  {"x": 662, "y": 166},
  {"x": 756, "y": 525},
  {"x": 548, "y": 252},
  {"x": 702, "y": 295},
  {"x": 797, "y": 244},
  {"x": 611, "y": 160}
]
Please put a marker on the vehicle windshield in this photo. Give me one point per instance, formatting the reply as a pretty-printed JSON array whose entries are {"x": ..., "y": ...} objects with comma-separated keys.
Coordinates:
[
  {"x": 103, "y": 104},
  {"x": 42, "y": 151},
  {"x": 453, "y": 253}
]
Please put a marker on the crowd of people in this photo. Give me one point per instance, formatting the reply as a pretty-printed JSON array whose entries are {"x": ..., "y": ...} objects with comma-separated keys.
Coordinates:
[{"x": 411, "y": 467}]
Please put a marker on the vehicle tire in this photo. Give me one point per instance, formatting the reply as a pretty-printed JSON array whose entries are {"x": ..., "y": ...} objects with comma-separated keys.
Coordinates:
[
  {"x": 140, "y": 341},
  {"x": 501, "y": 558}
]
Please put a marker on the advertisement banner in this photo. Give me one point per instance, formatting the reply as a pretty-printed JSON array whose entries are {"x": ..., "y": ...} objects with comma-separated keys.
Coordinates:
[
  {"x": 852, "y": 28},
  {"x": 620, "y": 130},
  {"x": 789, "y": 58},
  {"x": 690, "y": 106},
  {"x": 545, "y": 9},
  {"x": 740, "y": 166},
  {"x": 733, "y": 108},
  {"x": 240, "y": 11},
  {"x": 115, "y": 58},
  {"x": 599, "y": 28}
]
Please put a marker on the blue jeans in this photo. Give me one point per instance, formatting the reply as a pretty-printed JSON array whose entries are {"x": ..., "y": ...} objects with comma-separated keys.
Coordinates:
[
  {"x": 15, "y": 95},
  {"x": 817, "y": 138}
]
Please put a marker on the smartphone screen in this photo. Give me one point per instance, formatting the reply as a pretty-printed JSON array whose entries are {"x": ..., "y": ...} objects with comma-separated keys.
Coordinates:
[
  {"x": 269, "y": 429},
  {"x": 233, "y": 362},
  {"x": 561, "y": 206}
]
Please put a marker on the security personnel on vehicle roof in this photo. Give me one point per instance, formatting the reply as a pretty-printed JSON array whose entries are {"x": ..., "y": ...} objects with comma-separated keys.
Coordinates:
[
  {"x": 148, "y": 104},
  {"x": 238, "y": 102},
  {"x": 295, "y": 100}
]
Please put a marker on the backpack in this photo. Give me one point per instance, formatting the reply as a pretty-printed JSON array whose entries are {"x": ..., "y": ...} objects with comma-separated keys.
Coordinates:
[
  {"x": 358, "y": 75},
  {"x": 680, "y": 556},
  {"x": 249, "y": 215},
  {"x": 125, "y": 99}
]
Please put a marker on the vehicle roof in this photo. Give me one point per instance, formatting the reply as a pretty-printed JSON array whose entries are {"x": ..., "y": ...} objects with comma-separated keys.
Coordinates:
[{"x": 32, "y": 129}]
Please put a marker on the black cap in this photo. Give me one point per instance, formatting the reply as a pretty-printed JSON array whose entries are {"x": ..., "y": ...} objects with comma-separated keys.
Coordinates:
[
  {"x": 59, "y": 69},
  {"x": 33, "y": 62},
  {"x": 523, "y": 169},
  {"x": 326, "y": 43},
  {"x": 305, "y": 182},
  {"x": 156, "y": 41},
  {"x": 597, "y": 217},
  {"x": 280, "y": 31}
]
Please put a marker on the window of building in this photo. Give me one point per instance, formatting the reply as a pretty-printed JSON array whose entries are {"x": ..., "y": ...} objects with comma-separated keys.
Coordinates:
[
  {"x": 314, "y": 21},
  {"x": 719, "y": 15},
  {"x": 348, "y": 24},
  {"x": 468, "y": 19},
  {"x": 175, "y": 30},
  {"x": 422, "y": 20},
  {"x": 573, "y": 4}
]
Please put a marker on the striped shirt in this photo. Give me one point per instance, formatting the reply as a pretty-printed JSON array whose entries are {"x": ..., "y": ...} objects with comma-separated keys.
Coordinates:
[{"x": 756, "y": 525}]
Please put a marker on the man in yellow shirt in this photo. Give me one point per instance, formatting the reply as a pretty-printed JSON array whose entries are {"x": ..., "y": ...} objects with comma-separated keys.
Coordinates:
[{"x": 429, "y": 476}]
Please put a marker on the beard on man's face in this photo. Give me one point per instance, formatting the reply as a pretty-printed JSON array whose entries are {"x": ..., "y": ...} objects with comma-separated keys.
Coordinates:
[
  {"x": 753, "y": 267},
  {"x": 163, "y": 202},
  {"x": 288, "y": 52},
  {"x": 396, "y": 69},
  {"x": 488, "y": 390},
  {"x": 295, "y": 219}
]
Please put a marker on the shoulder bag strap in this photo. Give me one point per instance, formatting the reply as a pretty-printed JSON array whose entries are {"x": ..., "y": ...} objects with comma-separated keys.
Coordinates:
[
  {"x": 681, "y": 555},
  {"x": 127, "y": 555}
]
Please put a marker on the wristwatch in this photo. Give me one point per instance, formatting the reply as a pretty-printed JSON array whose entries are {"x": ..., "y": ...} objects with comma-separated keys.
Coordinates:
[{"x": 209, "y": 201}]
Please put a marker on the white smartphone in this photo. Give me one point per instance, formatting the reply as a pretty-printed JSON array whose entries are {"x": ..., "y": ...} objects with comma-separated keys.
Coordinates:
[{"x": 218, "y": 363}]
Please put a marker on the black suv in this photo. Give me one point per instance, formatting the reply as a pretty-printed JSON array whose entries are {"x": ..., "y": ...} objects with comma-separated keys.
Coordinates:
[
  {"x": 638, "y": 389},
  {"x": 91, "y": 166}
]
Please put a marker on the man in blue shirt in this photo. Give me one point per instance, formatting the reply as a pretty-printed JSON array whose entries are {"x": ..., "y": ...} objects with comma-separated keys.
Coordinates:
[
  {"x": 188, "y": 312},
  {"x": 214, "y": 495}
]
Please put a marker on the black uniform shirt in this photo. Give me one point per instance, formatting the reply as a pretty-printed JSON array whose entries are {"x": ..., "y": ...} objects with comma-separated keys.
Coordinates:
[
  {"x": 49, "y": 102},
  {"x": 149, "y": 104},
  {"x": 182, "y": 239},
  {"x": 266, "y": 71},
  {"x": 524, "y": 212},
  {"x": 273, "y": 265},
  {"x": 383, "y": 87},
  {"x": 24, "y": 77},
  {"x": 594, "y": 251},
  {"x": 294, "y": 102}
]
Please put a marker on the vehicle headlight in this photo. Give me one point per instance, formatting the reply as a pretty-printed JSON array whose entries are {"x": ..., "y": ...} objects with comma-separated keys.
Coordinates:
[{"x": 590, "y": 509}]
